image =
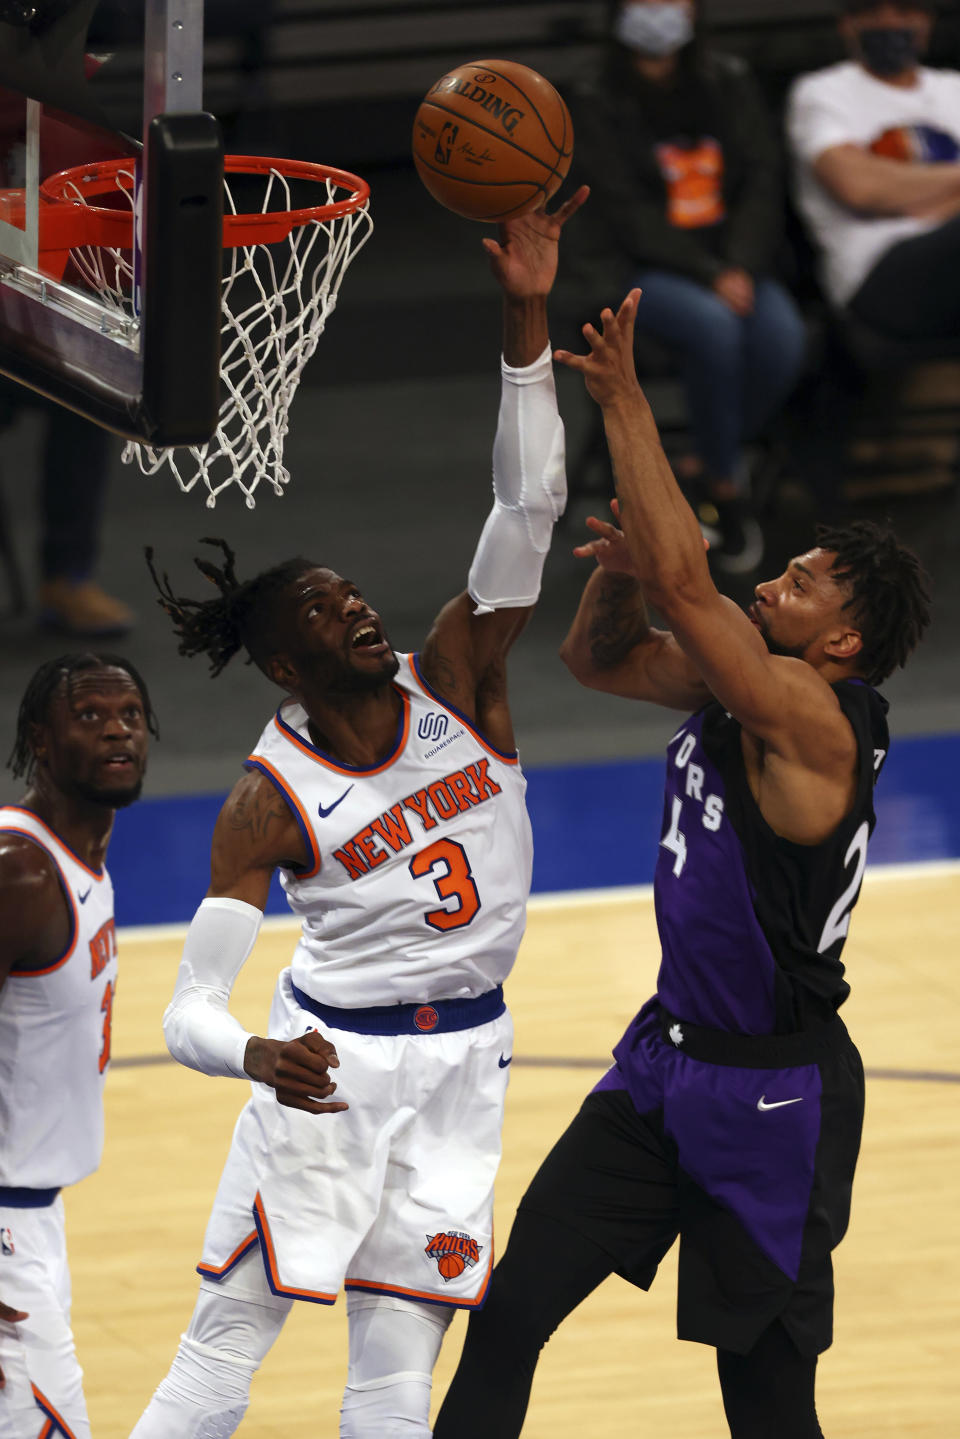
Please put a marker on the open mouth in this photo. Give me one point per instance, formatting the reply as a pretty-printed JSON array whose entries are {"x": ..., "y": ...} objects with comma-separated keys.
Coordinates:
[
  {"x": 120, "y": 764},
  {"x": 367, "y": 637}
]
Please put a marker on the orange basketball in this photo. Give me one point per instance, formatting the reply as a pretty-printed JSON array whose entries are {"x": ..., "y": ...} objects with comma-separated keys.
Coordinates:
[
  {"x": 492, "y": 139},
  {"x": 450, "y": 1265}
]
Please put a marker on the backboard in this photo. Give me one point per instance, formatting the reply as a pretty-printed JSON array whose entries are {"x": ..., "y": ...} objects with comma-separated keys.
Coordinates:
[{"x": 86, "y": 81}]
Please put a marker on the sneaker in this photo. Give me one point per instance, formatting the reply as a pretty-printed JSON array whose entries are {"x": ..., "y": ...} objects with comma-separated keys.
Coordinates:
[
  {"x": 82, "y": 608},
  {"x": 736, "y": 539}
]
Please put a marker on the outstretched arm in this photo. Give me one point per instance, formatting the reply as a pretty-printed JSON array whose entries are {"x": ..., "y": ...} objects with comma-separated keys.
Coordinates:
[
  {"x": 255, "y": 833},
  {"x": 782, "y": 702},
  {"x": 465, "y": 653}
]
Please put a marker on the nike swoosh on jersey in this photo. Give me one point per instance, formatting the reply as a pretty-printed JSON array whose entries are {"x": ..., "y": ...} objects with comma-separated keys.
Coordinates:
[
  {"x": 504, "y": 1062},
  {"x": 325, "y": 813},
  {"x": 84, "y": 897},
  {"x": 777, "y": 1103}
]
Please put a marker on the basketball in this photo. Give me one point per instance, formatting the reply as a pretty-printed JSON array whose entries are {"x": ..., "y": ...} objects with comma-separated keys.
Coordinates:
[
  {"x": 492, "y": 139},
  {"x": 450, "y": 1265}
]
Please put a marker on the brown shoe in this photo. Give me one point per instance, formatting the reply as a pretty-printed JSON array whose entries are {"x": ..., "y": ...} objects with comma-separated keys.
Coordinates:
[{"x": 83, "y": 608}]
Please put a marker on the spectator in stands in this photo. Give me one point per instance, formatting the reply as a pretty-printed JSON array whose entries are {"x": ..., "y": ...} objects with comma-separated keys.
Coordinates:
[
  {"x": 680, "y": 152},
  {"x": 876, "y": 139},
  {"x": 72, "y": 482}
]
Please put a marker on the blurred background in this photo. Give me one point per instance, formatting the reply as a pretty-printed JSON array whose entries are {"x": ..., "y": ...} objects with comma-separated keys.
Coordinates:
[{"x": 389, "y": 448}]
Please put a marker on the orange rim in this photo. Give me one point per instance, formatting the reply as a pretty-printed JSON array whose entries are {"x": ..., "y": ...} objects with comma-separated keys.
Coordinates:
[{"x": 68, "y": 223}]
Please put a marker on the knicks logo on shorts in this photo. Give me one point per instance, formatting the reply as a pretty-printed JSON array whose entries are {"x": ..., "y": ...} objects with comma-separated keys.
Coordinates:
[
  {"x": 453, "y": 1251},
  {"x": 6, "y": 1242},
  {"x": 426, "y": 1018}
]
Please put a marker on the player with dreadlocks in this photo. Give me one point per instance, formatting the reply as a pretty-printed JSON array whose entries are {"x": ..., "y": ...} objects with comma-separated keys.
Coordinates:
[
  {"x": 387, "y": 793},
  {"x": 732, "y": 1114},
  {"x": 81, "y": 748}
]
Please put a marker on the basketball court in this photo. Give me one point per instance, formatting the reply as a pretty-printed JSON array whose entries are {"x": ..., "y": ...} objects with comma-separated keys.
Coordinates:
[{"x": 614, "y": 1368}]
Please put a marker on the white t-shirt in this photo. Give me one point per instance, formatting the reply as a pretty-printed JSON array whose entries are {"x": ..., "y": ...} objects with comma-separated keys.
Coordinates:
[{"x": 846, "y": 105}]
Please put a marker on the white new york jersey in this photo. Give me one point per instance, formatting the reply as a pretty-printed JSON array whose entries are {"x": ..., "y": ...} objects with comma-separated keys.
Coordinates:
[
  {"x": 55, "y": 1032},
  {"x": 420, "y": 866}
]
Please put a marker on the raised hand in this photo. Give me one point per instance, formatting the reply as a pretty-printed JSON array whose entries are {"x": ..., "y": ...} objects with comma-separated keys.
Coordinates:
[
  {"x": 524, "y": 256},
  {"x": 609, "y": 549},
  {"x": 298, "y": 1069},
  {"x": 609, "y": 370}
]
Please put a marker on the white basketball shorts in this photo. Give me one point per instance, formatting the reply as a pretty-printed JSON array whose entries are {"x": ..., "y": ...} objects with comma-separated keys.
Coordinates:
[
  {"x": 394, "y": 1195},
  {"x": 43, "y": 1395}
]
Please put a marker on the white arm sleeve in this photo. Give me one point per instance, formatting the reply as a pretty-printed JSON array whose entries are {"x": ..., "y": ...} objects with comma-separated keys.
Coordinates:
[
  {"x": 199, "y": 1029},
  {"x": 529, "y": 489}
]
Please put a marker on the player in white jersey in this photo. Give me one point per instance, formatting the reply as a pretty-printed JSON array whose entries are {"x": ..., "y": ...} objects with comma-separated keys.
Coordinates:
[
  {"x": 81, "y": 744},
  {"x": 387, "y": 792}
]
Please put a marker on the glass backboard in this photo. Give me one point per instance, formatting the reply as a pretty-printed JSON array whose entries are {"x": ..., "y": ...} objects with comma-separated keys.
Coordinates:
[{"x": 111, "y": 214}]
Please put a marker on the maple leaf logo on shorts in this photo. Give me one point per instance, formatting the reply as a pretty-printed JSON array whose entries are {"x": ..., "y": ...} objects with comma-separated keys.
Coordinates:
[{"x": 453, "y": 1251}]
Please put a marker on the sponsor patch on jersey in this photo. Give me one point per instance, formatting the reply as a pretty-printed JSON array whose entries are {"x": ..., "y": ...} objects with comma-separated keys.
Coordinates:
[
  {"x": 453, "y": 1251},
  {"x": 6, "y": 1242},
  {"x": 433, "y": 726}
]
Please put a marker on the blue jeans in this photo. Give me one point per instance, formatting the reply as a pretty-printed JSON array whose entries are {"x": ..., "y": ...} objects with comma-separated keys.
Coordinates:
[{"x": 738, "y": 370}]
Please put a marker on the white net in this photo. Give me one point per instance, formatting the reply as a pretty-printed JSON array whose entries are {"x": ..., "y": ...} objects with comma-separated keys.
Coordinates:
[{"x": 276, "y": 300}]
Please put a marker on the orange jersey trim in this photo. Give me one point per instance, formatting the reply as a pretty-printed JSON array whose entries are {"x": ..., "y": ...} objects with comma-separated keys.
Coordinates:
[
  {"x": 432, "y": 1296},
  {"x": 217, "y": 1271},
  {"x": 68, "y": 896},
  {"x": 98, "y": 875},
  {"x": 431, "y": 694},
  {"x": 270, "y": 1262},
  {"x": 51, "y": 1414},
  {"x": 293, "y": 738},
  {"x": 300, "y": 814}
]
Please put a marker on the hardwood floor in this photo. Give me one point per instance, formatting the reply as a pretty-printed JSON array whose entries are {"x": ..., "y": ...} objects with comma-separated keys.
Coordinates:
[{"x": 615, "y": 1368}]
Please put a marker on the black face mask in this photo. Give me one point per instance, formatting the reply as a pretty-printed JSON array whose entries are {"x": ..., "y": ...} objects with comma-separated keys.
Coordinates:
[{"x": 889, "y": 51}]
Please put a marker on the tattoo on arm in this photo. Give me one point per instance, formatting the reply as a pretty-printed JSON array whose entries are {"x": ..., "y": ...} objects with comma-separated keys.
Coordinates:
[
  {"x": 619, "y": 621},
  {"x": 442, "y": 673},
  {"x": 257, "y": 812}
]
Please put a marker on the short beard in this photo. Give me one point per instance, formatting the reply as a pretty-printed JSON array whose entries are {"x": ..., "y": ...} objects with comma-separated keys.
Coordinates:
[
  {"x": 360, "y": 682},
  {"x": 108, "y": 798},
  {"x": 788, "y": 652}
]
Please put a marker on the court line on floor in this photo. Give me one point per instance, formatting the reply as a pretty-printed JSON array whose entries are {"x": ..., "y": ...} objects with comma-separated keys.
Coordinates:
[
  {"x": 570, "y": 899},
  {"x": 546, "y": 1061}
]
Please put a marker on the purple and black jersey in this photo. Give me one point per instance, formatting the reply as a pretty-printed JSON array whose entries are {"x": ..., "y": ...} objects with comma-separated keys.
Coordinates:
[
  {"x": 747, "y": 1090},
  {"x": 752, "y": 925}
]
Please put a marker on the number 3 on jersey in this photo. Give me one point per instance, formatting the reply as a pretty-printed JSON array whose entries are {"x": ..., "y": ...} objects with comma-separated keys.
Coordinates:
[
  {"x": 454, "y": 881},
  {"x": 106, "y": 1009}
]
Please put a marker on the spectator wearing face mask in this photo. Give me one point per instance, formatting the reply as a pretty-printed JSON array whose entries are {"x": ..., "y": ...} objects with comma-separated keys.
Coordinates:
[
  {"x": 687, "y": 203},
  {"x": 876, "y": 141}
]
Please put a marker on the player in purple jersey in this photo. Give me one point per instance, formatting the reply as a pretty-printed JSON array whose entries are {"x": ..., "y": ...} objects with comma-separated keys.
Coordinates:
[{"x": 732, "y": 1115}]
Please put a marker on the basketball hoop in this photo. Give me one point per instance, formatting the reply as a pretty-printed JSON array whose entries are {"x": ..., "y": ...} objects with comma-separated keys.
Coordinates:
[{"x": 283, "y": 267}]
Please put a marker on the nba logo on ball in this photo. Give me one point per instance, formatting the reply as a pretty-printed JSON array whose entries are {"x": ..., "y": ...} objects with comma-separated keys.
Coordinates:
[
  {"x": 453, "y": 1251},
  {"x": 492, "y": 139}
]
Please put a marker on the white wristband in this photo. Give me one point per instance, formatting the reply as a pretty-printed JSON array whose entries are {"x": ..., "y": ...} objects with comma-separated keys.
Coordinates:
[{"x": 199, "y": 1029}]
